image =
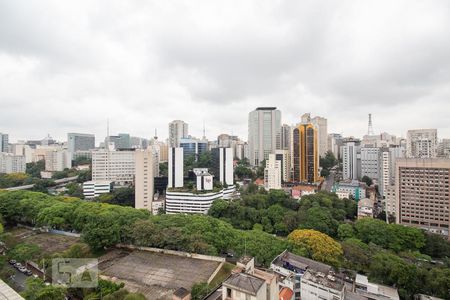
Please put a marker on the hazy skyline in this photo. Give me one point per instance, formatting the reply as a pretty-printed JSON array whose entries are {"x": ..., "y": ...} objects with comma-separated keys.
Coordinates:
[{"x": 67, "y": 66}]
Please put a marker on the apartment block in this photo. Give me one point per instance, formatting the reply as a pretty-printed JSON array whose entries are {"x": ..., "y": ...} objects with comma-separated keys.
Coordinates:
[
  {"x": 116, "y": 166},
  {"x": 144, "y": 179},
  {"x": 272, "y": 173},
  {"x": 423, "y": 194}
]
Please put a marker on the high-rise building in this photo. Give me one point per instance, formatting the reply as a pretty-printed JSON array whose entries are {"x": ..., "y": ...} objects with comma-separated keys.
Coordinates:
[
  {"x": 177, "y": 130},
  {"x": 322, "y": 134},
  {"x": 22, "y": 150},
  {"x": 264, "y": 133},
  {"x": 121, "y": 141},
  {"x": 370, "y": 162},
  {"x": 57, "y": 160},
  {"x": 176, "y": 168},
  {"x": 423, "y": 194},
  {"x": 4, "y": 140},
  {"x": 272, "y": 173},
  {"x": 284, "y": 156},
  {"x": 144, "y": 179},
  {"x": 223, "y": 165},
  {"x": 116, "y": 166},
  {"x": 10, "y": 163},
  {"x": 351, "y": 159},
  {"x": 286, "y": 137},
  {"x": 386, "y": 173},
  {"x": 305, "y": 153},
  {"x": 421, "y": 143},
  {"x": 334, "y": 144},
  {"x": 80, "y": 142},
  {"x": 193, "y": 147},
  {"x": 444, "y": 148}
]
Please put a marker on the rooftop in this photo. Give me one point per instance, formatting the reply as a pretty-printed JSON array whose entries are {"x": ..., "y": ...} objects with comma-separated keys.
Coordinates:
[
  {"x": 266, "y": 108},
  {"x": 244, "y": 282},
  {"x": 329, "y": 280},
  {"x": 287, "y": 260},
  {"x": 181, "y": 292}
]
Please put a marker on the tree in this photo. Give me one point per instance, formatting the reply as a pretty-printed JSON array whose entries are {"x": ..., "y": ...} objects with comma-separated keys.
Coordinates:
[
  {"x": 260, "y": 170},
  {"x": 34, "y": 168},
  {"x": 35, "y": 289},
  {"x": 74, "y": 190},
  {"x": 163, "y": 168},
  {"x": 319, "y": 219},
  {"x": 316, "y": 245},
  {"x": 200, "y": 290},
  {"x": 345, "y": 231},
  {"x": 357, "y": 255},
  {"x": 327, "y": 162},
  {"x": 367, "y": 180},
  {"x": 24, "y": 252},
  {"x": 436, "y": 246}
]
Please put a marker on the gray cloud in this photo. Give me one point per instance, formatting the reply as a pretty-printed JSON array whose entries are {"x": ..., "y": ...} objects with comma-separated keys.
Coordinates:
[{"x": 68, "y": 66}]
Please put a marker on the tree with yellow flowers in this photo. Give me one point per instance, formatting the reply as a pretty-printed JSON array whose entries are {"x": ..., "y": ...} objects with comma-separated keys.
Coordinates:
[{"x": 316, "y": 245}]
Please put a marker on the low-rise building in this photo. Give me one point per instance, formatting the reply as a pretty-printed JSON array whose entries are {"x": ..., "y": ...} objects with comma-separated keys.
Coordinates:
[
  {"x": 372, "y": 290},
  {"x": 243, "y": 286},
  {"x": 365, "y": 208},
  {"x": 350, "y": 188},
  {"x": 317, "y": 285},
  {"x": 92, "y": 189}
]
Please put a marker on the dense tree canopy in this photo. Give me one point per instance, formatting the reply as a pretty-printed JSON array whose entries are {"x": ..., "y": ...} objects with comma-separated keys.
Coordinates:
[{"x": 327, "y": 162}]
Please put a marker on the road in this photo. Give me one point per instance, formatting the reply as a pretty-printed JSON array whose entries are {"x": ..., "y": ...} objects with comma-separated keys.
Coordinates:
[
  {"x": 18, "y": 279},
  {"x": 329, "y": 182},
  {"x": 30, "y": 186}
]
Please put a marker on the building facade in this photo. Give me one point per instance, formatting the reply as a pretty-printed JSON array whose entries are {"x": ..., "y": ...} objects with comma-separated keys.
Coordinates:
[
  {"x": 115, "y": 166},
  {"x": 144, "y": 178},
  {"x": 93, "y": 189},
  {"x": 321, "y": 125},
  {"x": 351, "y": 160},
  {"x": 272, "y": 173},
  {"x": 370, "y": 162},
  {"x": 10, "y": 163},
  {"x": 80, "y": 142},
  {"x": 305, "y": 154},
  {"x": 177, "y": 130},
  {"x": 57, "y": 160},
  {"x": 423, "y": 194},
  {"x": 176, "y": 168},
  {"x": 223, "y": 165},
  {"x": 4, "y": 142},
  {"x": 421, "y": 143},
  {"x": 193, "y": 147},
  {"x": 285, "y": 157},
  {"x": 264, "y": 133}
]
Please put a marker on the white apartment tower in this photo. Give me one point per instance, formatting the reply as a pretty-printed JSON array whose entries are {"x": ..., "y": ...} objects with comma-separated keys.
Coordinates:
[
  {"x": 57, "y": 160},
  {"x": 421, "y": 143},
  {"x": 176, "y": 168},
  {"x": 321, "y": 125},
  {"x": 116, "y": 166},
  {"x": 284, "y": 156},
  {"x": 351, "y": 158},
  {"x": 272, "y": 173},
  {"x": 10, "y": 163},
  {"x": 177, "y": 130},
  {"x": 144, "y": 179},
  {"x": 264, "y": 133}
]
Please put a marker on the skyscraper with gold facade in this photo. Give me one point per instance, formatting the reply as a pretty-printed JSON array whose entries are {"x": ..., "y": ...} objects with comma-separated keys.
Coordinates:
[{"x": 305, "y": 153}]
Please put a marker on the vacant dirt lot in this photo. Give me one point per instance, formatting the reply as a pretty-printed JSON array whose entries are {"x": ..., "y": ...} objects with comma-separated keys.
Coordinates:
[
  {"x": 48, "y": 242},
  {"x": 155, "y": 275}
]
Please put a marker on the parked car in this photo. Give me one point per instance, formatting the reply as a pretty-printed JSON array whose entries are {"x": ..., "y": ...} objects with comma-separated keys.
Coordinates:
[
  {"x": 18, "y": 265},
  {"x": 22, "y": 269},
  {"x": 12, "y": 261},
  {"x": 28, "y": 273}
]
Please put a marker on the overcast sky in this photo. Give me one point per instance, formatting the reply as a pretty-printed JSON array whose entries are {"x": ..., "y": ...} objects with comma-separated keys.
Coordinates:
[{"x": 67, "y": 66}]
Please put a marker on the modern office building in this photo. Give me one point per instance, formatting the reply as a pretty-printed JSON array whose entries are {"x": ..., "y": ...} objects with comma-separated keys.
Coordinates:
[
  {"x": 370, "y": 163},
  {"x": 57, "y": 160},
  {"x": 80, "y": 142},
  {"x": 93, "y": 189},
  {"x": 284, "y": 156},
  {"x": 10, "y": 163},
  {"x": 122, "y": 141},
  {"x": 423, "y": 194},
  {"x": 144, "y": 178},
  {"x": 351, "y": 160},
  {"x": 193, "y": 147},
  {"x": 272, "y": 173},
  {"x": 4, "y": 142},
  {"x": 421, "y": 143},
  {"x": 177, "y": 130},
  {"x": 176, "y": 168},
  {"x": 264, "y": 133},
  {"x": 305, "y": 154},
  {"x": 223, "y": 165},
  {"x": 115, "y": 166},
  {"x": 286, "y": 137}
]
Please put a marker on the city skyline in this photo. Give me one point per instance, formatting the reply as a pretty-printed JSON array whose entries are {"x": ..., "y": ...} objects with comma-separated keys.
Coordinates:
[{"x": 71, "y": 66}]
